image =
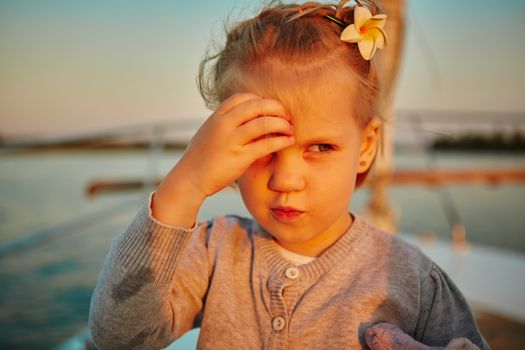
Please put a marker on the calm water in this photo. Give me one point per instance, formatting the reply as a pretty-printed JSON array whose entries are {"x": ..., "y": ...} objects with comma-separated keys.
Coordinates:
[{"x": 47, "y": 280}]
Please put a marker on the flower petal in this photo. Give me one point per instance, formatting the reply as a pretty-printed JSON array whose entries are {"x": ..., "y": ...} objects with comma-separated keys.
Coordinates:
[
  {"x": 379, "y": 16},
  {"x": 376, "y": 21},
  {"x": 367, "y": 48},
  {"x": 384, "y": 37},
  {"x": 350, "y": 34},
  {"x": 379, "y": 36},
  {"x": 361, "y": 16}
]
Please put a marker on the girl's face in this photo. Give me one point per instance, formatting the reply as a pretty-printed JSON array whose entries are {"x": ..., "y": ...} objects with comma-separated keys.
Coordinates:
[{"x": 301, "y": 194}]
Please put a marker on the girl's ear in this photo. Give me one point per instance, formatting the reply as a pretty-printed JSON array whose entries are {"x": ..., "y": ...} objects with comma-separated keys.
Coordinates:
[{"x": 369, "y": 145}]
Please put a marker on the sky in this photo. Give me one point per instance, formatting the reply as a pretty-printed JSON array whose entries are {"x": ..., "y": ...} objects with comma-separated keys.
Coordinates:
[{"x": 77, "y": 66}]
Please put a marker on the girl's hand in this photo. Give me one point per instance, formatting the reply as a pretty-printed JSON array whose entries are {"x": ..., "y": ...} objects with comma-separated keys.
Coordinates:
[{"x": 244, "y": 128}]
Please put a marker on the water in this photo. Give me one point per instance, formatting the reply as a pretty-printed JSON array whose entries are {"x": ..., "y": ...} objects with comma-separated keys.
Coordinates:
[{"x": 46, "y": 285}]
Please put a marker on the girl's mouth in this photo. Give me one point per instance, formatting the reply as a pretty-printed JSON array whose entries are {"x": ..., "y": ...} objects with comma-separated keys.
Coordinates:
[{"x": 286, "y": 214}]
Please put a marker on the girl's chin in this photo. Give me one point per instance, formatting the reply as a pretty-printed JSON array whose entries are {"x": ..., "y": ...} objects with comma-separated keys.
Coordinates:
[{"x": 287, "y": 241}]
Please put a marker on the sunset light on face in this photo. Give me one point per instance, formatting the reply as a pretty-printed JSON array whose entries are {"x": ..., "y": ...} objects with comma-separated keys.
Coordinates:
[{"x": 301, "y": 194}]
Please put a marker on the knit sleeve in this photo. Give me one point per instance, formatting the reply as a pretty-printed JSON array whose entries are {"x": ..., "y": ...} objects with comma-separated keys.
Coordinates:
[
  {"x": 444, "y": 313},
  {"x": 144, "y": 298}
]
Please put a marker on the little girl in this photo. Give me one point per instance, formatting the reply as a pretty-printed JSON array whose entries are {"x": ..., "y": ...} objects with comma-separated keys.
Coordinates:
[{"x": 295, "y": 96}]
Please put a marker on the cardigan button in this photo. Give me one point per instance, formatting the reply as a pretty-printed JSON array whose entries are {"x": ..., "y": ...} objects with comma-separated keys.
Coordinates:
[
  {"x": 291, "y": 273},
  {"x": 278, "y": 323}
]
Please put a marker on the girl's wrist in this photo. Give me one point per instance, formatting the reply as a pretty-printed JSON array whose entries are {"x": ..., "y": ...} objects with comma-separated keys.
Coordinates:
[{"x": 176, "y": 202}]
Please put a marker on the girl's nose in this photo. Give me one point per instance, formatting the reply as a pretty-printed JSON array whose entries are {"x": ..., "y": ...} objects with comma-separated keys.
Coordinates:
[{"x": 287, "y": 175}]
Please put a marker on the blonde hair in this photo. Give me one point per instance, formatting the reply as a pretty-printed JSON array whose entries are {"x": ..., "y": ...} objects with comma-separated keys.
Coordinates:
[{"x": 298, "y": 37}]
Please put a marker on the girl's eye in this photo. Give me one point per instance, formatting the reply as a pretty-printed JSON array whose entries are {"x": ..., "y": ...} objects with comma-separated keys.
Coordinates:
[{"x": 321, "y": 148}]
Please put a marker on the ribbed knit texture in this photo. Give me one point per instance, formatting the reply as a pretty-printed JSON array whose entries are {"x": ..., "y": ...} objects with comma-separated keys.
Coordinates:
[
  {"x": 228, "y": 277},
  {"x": 151, "y": 244}
]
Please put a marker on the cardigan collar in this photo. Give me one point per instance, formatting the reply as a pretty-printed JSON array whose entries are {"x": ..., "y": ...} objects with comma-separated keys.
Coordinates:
[{"x": 334, "y": 254}]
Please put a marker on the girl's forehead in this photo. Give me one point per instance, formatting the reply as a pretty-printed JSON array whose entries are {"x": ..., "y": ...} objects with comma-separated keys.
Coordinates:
[
  {"x": 318, "y": 108},
  {"x": 320, "y": 93},
  {"x": 321, "y": 106}
]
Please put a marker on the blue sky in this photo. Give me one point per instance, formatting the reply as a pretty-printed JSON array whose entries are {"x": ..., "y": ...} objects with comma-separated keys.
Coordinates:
[{"x": 72, "y": 66}]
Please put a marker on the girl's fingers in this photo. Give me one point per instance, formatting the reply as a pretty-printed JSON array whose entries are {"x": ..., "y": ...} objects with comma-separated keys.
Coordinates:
[
  {"x": 265, "y": 125},
  {"x": 269, "y": 145},
  {"x": 254, "y": 108},
  {"x": 234, "y": 101}
]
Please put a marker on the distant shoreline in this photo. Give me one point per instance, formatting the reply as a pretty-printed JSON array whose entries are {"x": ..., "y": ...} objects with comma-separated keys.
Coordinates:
[
  {"x": 476, "y": 142},
  {"x": 469, "y": 143},
  {"x": 438, "y": 131},
  {"x": 87, "y": 146}
]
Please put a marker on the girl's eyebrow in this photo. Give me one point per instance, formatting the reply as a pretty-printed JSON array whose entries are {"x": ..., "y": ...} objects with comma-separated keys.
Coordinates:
[{"x": 325, "y": 139}]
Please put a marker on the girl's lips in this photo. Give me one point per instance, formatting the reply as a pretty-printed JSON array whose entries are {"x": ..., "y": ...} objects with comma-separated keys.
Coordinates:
[{"x": 286, "y": 214}]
